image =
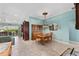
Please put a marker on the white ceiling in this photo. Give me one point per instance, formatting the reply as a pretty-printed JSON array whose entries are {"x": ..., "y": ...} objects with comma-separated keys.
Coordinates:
[{"x": 18, "y": 11}]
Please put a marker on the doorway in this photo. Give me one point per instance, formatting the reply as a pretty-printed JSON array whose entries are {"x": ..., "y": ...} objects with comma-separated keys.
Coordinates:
[{"x": 25, "y": 30}]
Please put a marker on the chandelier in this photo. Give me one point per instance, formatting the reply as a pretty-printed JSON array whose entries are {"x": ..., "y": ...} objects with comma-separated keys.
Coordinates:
[
  {"x": 45, "y": 17},
  {"x": 45, "y": 14}
]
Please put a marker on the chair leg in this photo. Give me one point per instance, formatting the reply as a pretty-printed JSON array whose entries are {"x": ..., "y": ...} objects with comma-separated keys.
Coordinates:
[{"x": 72, "y": 52}]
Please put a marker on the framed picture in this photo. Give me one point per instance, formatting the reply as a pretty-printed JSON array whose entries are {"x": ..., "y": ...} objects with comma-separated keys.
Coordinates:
[
  {"x": 54, "y": 27},
  {"x": 51, "y": 27}
]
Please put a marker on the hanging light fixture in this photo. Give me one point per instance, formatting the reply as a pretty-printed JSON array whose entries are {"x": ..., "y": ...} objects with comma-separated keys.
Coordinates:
[
  {"x": 45, "y": 17},
  {"x": 44, "y": 14}
]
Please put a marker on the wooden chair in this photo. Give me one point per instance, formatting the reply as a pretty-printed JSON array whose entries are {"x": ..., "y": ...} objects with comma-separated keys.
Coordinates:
[
  {"x": 48, "y": 36},
  {"x": 35, "y": 35}
]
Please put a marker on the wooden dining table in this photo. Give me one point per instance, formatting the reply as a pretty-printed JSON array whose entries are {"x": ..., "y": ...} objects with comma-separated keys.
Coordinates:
[{"x": 43, "y": 38}]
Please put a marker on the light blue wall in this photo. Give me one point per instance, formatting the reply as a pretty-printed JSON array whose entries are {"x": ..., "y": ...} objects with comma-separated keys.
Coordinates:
[
  {"x": 63, "y": 20},
  {"x": 33, "y": 20},
  {"x": 77, "y": 37},
  {"x": 66, "y": 22},
  {"x": 73, "y": 33}
]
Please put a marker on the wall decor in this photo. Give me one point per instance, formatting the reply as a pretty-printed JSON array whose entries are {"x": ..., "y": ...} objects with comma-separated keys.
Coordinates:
[{"x": 54, "y": 27}]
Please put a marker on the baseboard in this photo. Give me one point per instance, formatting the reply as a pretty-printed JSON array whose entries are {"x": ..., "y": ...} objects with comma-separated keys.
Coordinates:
[
  {"x": 74, "y": 42},
  {"x": 64, "y": 42},
  {"x": 68, "y": 42}
]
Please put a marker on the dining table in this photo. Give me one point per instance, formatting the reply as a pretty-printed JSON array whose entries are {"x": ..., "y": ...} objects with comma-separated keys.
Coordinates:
[{"x": 43, "y": 38}]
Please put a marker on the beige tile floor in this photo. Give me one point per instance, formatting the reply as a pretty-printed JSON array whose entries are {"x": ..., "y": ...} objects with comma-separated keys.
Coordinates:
[{"x": 33, "y": 48}]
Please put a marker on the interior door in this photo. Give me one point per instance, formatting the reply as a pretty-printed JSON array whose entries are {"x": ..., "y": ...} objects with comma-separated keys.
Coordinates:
[
  {"x": 25, "y": 30},
  {"x": 77, "y": 15}
]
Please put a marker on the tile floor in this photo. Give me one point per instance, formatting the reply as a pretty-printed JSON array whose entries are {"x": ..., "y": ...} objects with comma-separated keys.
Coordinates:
[{"x": 33, "y": 48}]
